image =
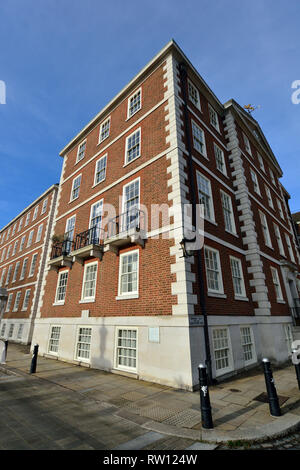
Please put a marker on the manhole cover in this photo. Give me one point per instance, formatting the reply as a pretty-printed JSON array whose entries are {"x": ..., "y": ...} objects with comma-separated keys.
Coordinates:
[
  {"x": 158, "y": 413},
  {"x": 186, "y": 419},
  {"x": 263, "y": 398}
]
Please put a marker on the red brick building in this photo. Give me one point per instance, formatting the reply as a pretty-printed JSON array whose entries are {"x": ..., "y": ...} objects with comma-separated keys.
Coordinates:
[
  {"x": 24, "y": 243},
  {"x": 118, "y": 293}
]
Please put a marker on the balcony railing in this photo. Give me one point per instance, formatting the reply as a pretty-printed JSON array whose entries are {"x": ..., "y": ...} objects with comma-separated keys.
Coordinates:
[
  {"x": 61, "y": 249},
  {"x": 92, "y": 236},
  {"x": 132, "y": 220}
]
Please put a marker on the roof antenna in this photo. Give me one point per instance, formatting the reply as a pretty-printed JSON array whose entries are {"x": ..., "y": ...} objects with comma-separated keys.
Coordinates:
[{"x": 249, "y": 108}]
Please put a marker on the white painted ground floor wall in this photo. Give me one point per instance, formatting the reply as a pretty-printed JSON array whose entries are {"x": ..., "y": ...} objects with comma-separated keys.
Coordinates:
[{"x": 168, "y": 349}]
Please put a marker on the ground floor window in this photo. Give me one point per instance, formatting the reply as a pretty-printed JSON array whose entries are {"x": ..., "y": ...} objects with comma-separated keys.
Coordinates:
[
  {"x": 83, "y": 348},
  {"x": 3, "y": 329},
  {"x": 248, "y": 344},
  {"x": 11, "y": 330},
  {"x": 288, "y": 337},
  {"x": 127, "y": 349},
  {"x": 20, "y": 331},
  {"x": 222, "y": 350},
  {"x": 54, "y": 339}
]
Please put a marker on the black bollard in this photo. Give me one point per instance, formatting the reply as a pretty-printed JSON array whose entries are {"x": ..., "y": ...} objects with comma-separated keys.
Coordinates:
[
  {"x": 297, "y": 367},
  {"x": 207, "y": 422},
  {"x": 271, "y": 389},
  {"x": 34, "y": 359},
  {"x": 6, "y": 346}
]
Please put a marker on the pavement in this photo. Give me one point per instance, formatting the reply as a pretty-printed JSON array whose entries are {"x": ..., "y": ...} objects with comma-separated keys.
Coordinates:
[{"x": 65, "y": 406}]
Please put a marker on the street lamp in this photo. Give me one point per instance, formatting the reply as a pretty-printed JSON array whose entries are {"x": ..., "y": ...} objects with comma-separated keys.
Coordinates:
[{"x": 184, "y": 247}]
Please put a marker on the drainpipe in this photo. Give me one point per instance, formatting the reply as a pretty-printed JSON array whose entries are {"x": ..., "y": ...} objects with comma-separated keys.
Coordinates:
[{"x": 183, "y": 77}]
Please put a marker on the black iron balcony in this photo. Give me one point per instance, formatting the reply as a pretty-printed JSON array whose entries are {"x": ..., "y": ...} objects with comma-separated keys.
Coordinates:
[
  {"x": 88, "y": 244},
  {"x": 129, "y": 227},
  {"x": 61, "y": 249},
  {"x": 60, "y": 254}
]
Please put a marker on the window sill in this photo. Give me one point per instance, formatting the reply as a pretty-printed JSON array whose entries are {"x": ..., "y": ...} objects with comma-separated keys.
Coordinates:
[
  {"x": 211, "y": 221},
  {"x": 86, "y": 301},
  {"x": 215, "y": 294},
  {"x": 131, "y": 161},
  {"x": 133, "y": 114},
  {"x": 280, "y": 301},
  {"x": 72, "y": 200},
  {"x": 238, "y": 297},
  {"x": 101, "y": 142},
  {"x": 127, "y": 297},
  {"x": 96, "y": 184},
  {"x": 58, "y": 303},
  {"x": 232, "y": 233}
]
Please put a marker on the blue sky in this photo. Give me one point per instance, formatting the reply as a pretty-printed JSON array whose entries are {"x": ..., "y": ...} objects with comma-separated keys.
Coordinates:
[{"x": 63, "y": 60}]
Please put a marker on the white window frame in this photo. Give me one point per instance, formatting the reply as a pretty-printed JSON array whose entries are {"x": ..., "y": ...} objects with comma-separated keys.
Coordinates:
[
  {"x": 191, "y": 98},
  {"x": 231, "y": 215},
  {"x": 39, "y": 233},
  {"x": 56, "y": 301},
  {"x": 8, "y": 251},
  {"x": 230, "y": 367},
  {"x": 9, "y": 302},
  {"x": 72, "y": 197},
  {"x": 14, "y": 229},
  {"x": 30, "y": 238},
  {"x": 44, "y": 206},
  {"x": 290, "y": 249},
  {"x": 17, "y": 267},
  {"x": 33, "y": 264},
  {"x": 213, "y": 115},
  {"x": 247, "y": 144},
  {"x": 26, "y": 300},
  {"x": 15, "y": 248},
  {"x": 277, "y": 284},
  {"x": 35, "y": 213},
  {"x": 2, "y": 277},
  {"x": 50, "y": 341},
  {"x": 96, "y": 170},
  {"x": 24, "y": 268},
  {"x": 27, "y": 219},
  {"x": 117, "y": 365},
  {"x": 3, "y": 254},
  {"x": 253, "y": 349},
  {"x": 91, "y": 298},
  {"x": 241, "y": 272},
  {"x": 196, "y": 146},
  {"x": 67, "y": 224},
  {"x": 269, "y": 197},
  {"x": 101, "y": 139},
  {"x": 139, "y": 130},
  {"x": 255, "y": 182},
  {"x": 3, "y": 328},
  {"x": 261, "y": 162},
  {"x": 265, "y": 230},
  {"x": 124, "y": 222},
  {"x": 220, "y": 276},
  {"x": 132, "y": 294},
  {"x": 78, "y": 151},
  {"x": 11, "y": 330},
  {"x": 80, "y": 358},
  {"x": 288, "y": 332},
  {"x": 279, "y": 239},
  {"x": 20, "y": 331},
  {"x": 210, "y": 196},
  {"x": 279, "y": 205},
  {"x": 272, "y": 177},
  {"x": 8, "y": 274},
  {"x": 217, "y": 149},
  {"x": 22, "y": 243},
  {"x": 20, "y": 224},
  {"x": 131, "y": 97},
  {"x": 17, "y": 301}
]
